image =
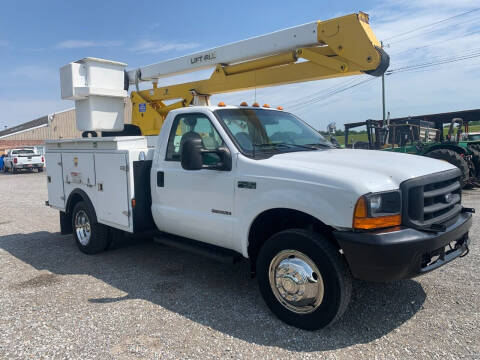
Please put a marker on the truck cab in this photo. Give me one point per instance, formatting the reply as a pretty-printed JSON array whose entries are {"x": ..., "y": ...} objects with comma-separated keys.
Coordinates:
[{"x": 263, "y": 184}]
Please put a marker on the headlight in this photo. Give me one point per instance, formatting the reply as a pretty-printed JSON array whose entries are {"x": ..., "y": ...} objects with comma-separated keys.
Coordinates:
[{"x": 378, "y": 210}]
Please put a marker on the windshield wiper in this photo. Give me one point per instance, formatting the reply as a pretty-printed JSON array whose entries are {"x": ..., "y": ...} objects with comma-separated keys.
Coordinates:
[
  {"x": 320, "y": 145},
  {"x": 282, "y": 144}
]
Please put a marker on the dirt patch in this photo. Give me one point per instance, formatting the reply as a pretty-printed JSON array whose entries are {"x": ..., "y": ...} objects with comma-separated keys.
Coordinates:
[{"x": 38, "y": 281}]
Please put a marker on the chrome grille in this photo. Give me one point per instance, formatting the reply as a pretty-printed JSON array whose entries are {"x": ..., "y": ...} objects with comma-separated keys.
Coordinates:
[{"x": 432, "y": 200}]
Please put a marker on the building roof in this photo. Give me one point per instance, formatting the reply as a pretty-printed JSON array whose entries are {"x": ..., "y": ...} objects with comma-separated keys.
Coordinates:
[{"x": 25, "y": 126}]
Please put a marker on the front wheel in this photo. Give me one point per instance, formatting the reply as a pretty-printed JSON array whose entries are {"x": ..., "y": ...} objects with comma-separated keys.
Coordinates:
[
  {"x": 90, "y": 236},
  {"x": 303, "y": 279}
]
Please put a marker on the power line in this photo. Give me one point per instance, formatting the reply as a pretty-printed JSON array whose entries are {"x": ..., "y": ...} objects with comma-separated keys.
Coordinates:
[
  {"x": 333, "y": 93},
  {"x": 434, "y": 63},
  {"x": 431, "y": 24}
]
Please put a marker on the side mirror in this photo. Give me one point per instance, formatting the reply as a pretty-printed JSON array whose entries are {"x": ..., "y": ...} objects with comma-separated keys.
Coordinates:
[{"x": 192, "y": 153}]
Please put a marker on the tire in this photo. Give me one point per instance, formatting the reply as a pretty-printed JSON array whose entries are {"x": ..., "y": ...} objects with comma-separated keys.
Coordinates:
[
  {"x": 333, "y": 274},
  {"x": 475, "y": 150},
  {"x": 14, "y": 170},
  {"x": 455, "y": 159},
  {"x": 91, "y": 237},
  {"x": 475, "y": 147},
  {"x": 40, "y": 170}
]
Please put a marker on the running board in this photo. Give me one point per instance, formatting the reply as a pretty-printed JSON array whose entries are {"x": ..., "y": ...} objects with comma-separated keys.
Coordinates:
[{"x": 213, "y": 252}]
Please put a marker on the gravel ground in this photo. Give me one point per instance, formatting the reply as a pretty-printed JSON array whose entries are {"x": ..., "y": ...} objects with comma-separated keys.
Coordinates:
[{"x": 147, "y": 301}]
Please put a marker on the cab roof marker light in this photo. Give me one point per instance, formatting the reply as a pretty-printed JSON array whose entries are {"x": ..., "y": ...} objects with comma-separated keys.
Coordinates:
[
  {"x": 221, "y": 103},
  {"x": 256, "y": 104}
]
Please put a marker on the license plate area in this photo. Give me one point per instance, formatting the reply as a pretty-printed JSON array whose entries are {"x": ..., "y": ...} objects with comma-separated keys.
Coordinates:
[{"x": 444, "y": 254}]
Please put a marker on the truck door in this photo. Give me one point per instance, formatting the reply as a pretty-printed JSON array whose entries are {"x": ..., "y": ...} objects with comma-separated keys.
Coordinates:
[{"x": 194, "y": 204}]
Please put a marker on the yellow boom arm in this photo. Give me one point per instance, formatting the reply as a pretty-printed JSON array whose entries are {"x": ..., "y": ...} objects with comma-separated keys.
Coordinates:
[{"x": 346, "y": 46}]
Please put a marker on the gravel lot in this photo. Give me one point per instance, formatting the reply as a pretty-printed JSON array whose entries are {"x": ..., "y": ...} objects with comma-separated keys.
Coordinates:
[{"x": 147, "y": 301}]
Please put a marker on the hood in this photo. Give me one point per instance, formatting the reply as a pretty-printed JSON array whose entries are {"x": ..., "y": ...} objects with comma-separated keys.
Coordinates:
[{"x": 366, "y": 170}]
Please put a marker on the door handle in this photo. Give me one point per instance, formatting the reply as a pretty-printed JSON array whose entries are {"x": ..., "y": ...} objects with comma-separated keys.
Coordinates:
[{"x": 160, "y": 179}]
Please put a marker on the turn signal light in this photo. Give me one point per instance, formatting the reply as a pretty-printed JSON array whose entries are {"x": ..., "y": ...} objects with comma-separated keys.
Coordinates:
[
  {"x": 255, "y": 104},
  {"x": 244, "y": 103},
  {"x": 221, "y": 103},
  {"x": 363, "y": 222},
  {"x": 266, "y": 106}
]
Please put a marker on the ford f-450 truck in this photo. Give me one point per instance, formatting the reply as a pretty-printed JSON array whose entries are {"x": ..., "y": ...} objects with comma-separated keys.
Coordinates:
[{"x": 264, "y": 185}]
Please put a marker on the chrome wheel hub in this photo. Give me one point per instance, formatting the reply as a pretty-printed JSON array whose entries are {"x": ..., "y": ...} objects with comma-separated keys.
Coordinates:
[
  {"x": 82, "y": 227},
  {"x": 295, "y": 281}
]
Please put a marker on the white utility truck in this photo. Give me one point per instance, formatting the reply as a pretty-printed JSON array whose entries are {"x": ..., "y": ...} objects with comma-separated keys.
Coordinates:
[
  {"x": 252, "y": 181},
  {"x": 23, "y": 159}
]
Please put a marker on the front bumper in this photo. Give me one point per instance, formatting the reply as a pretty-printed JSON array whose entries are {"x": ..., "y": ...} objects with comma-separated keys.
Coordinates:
[{"x": 387, "y": 255}]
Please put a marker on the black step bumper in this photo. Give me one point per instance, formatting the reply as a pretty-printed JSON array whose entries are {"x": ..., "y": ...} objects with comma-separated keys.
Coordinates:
[{"x": 404, "y": 253}]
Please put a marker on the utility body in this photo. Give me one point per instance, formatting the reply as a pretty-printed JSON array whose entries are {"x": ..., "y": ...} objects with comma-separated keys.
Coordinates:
[{"x": 250, "y": 181}]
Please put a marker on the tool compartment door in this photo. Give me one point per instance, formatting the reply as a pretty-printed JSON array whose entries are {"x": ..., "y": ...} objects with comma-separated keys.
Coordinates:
[
  {"x": 111, "y": 202},
  {"x": 56, "y": 195}
]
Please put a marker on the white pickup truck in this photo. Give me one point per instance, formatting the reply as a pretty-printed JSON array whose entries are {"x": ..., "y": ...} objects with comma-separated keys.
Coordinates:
[
  {"x": 23, "y": 159},
  {"x": 261, "y": 184}
]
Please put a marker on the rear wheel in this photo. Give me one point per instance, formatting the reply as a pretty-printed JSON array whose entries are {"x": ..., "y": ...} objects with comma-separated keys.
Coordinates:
[
  {"x": 475, "y": 150},
  {"x": 303, "y": 279},
  {"x": 40, "y": 170},
  {"x": 455, "y": 159},
  {"x": 90, "y": 236}
]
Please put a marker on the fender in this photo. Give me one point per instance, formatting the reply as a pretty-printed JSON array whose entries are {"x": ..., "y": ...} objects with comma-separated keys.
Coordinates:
[
  {"x": 80, "y": 193},
  {"x": 456, "y": 148}
]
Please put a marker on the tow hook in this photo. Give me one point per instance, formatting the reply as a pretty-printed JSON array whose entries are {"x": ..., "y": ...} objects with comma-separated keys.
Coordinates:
[{"x": 468, "y": 210}]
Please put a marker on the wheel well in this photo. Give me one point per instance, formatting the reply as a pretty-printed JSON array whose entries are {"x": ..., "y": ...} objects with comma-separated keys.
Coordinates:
[
  {"x": 76, "y": 196},
  {"x": 275, "y": 220}
]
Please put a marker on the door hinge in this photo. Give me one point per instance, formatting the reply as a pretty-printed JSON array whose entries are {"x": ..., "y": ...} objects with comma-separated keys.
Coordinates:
[{"x": 124, "y": 167}]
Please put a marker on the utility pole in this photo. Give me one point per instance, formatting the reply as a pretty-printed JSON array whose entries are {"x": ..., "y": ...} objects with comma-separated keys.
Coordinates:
[{"x": 383, "y": 90}]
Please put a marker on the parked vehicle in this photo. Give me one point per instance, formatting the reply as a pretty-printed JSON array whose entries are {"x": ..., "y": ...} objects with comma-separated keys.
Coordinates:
[
  {"x": 252, "y": 181},
  {"x": 233, "y": 181},
  {"x": 23, "y": 159},
  {"x": 419, "y": 137}
]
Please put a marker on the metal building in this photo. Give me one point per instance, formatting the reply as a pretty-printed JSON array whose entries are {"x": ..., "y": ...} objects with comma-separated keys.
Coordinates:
[{"x": 60, "y": 125}]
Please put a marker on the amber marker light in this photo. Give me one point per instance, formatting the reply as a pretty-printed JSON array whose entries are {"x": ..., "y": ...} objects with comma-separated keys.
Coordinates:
[
  {"x": 266, "y": 106},
  {"x": 361, "y": 221},
  {"x": 243, "y": 103},
  {"x": 255, "y": 104},
  {"x": 279, "y": 108},
  {"x": 221, "y": 103}
]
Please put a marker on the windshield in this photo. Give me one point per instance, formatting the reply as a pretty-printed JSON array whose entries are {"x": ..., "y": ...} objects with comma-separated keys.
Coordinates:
[
  {"x": 22, "y": 151},
  {"x": 259, "y": 130}
]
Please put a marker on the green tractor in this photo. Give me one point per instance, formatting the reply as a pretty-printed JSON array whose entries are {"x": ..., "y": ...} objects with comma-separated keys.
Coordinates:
[
  {"x": 463, "y": 138},
  {"x": 419, "y": 137}
]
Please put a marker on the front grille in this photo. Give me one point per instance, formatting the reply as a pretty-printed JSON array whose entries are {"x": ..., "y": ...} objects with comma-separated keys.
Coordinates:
[{"x": 432, "y": 200}]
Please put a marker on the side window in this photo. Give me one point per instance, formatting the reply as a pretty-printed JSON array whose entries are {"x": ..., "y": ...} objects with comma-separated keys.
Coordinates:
[{"x": 185, "y": 125}]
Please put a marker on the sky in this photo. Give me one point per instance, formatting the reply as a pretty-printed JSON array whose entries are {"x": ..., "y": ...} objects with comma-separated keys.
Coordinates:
[{"x": 38, "y": 37}]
